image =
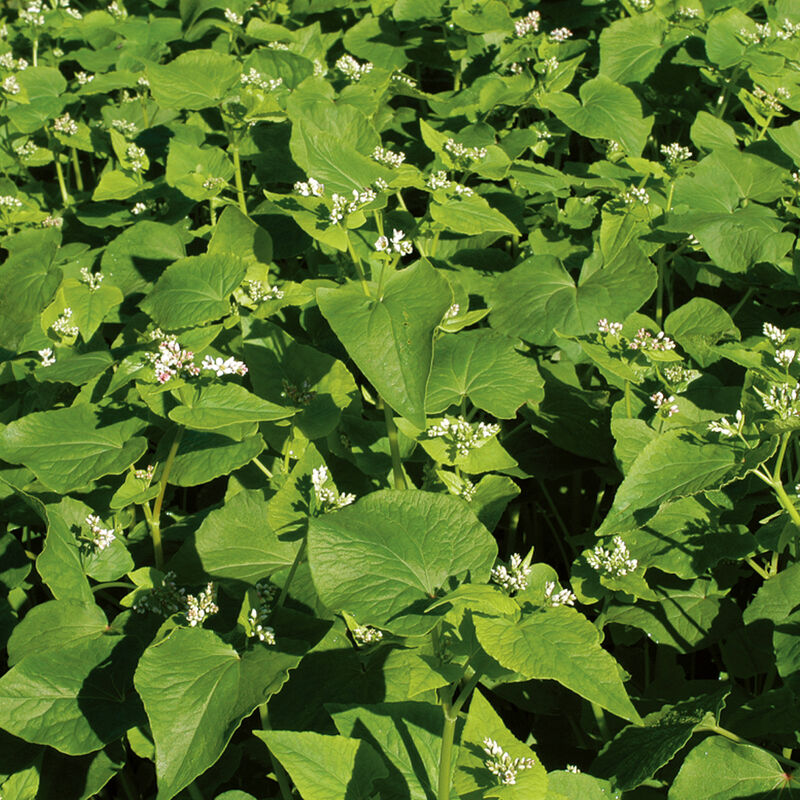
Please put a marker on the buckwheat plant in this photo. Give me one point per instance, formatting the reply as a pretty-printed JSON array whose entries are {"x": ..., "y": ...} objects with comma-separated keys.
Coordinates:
[
  {"x": 502, "y": 765},
  {"x": 99, "y": 537},
  {"x": 352, "y": 69},
  {"x": 91, "y": 279},
  {"x": 199, "y": 607},
  {"x": 461, "y": 436},
  {"x": 366, "y": 634},
  {"x": 514, "y": 576},
  {"x": 614, "y": 563},
  {"x": 48, "y": 359},
  {"x": 62, "y": 325},
  {"x": 223, "y": 366},
  {"x": 553, "y": 598},
  {"x": 328, "y": 498}
]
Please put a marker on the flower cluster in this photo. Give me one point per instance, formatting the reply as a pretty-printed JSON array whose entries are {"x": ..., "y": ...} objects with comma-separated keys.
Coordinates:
[
  {"x": 686, "y": 12},
  {"x": 258, "y": 293},
  {"x": 165, "y": 599},
  {"x": 453, "y": 311},
  {"x": 514, "y": 577},
  {"x": 259, "y": 615},
  {"x": 527, "y": 24},
  {"x": 202, "y": 606},
  {"x": 775, "y": 334},
  {"x": 502, "y": 765},
  {"x": 328, "y": 499},
  {"x": 614, "y": 563},
  {"x": 665, "y": 405},
  {"x": 771, "y": 101},
  {"x": 785, "y": 357},
  {"x": 642, "y": 5},
  {"x": 390, "y": 158},
  {"x": 32, "y": 14},
  {"x": 91, "y": 279},
  {"x": 100, "y": 537},
  {"x": 233, "y": 17},
  {"x": 466, "y": 490},
  {"x": 554, "y": 599},
  {"x": 644, "y": 340},
  {"x": 725, "y": 428},
  {"x": 48, "y": 359},
  {"x": 254, "y": 78},
  {"x": 301, "y": 395},
  {"x": 398, "y": 243},
  {"x": 213, "y": 184},
  {"x": 116, "y": 10},
  {"x": 7, "y": 61},
  {"x": 25, "y": 149},
  {"x": 11, "y": 85},
  {"x": 171, "y": 360},
  {"x": 342, "y": 206},
  {"x": 350, "y": 68},
  {"x": 787, "y": 30},
  {"x": 406, "y": 80},
  {"x": 560, "y": 34},
  {"x": 62, "y": 325},
  {"x": 226, "y": 366},
  {"x": 145, "y": 474},
  {"x": 126, "y": 128},
  {"x": 65, "y": 124},
  {"x": 52, "y": 222},
  {"x": 9, "y": 201},
  {"x": 675, "y": 153},
  {"x": 366, "y": 634},
  {"x": 310, "y": 188},
  {"x": 138, "y": 208},
  {"x": 611, "y": 328},
  {"x": 782, "y": 399},
  {"x": 762, "y": 32},
  {"x": 461, "y": 152},
  {"x": 462, "y": 435},
  {"x": 635, "y": 195},
  {"x": 137, "y": 158},
  {"x": 83, "y": 78}
]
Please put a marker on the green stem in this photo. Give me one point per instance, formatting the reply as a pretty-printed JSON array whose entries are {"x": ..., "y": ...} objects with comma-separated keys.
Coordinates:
[
  {"x": 194, "y": 792},
  {"x": 35, "y": 52},
  {"x": 76, "y": 167},
  {"x": 739, "y": 740},
  {"x": 776, "y": 472},
  {"x": 113, "y": 585},
  {"x": 357, "y": 263},
  {"x": 155, "y": 522},
  {"x": 738, "y": 307},
  {"x": 394, "y": 447},
  {"x": 237, "y": 166},
  {"x": 628, "y": 408},
  {"x": 787, "y": 503},
  {"x": 760, "y": 570},
  {"x": 262, "y": 468},
  {"x": 446, "y": 754},
  {"x": 292, "y": 570},
  {"x": 280, "y": 773},
  {"x": 400, "y": 200},
  {"x": 600, "y": 719},
  {"x": 61, "y": 184},
  {"x": 726, "y": 93},
  {"x": 764, "y": 127}
]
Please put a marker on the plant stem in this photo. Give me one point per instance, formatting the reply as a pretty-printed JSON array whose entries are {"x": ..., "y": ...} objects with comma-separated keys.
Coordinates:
[
  {"x": 359, "y": 267},
  {"x": 76, "y": 167},
  {"x": 628, "y": 408},
  {"x": 446, "y": 754},
  {"x": 394, "y": 447},
  {"x": 113, "y": 585},
  {"x": 292, "y": 570},
  {"x": 739, "y": 740},
  {"x": 262, "y": 468},
  {"x": 237, "y": 166},
  {"x": 35, "y": 52},
  {"x": 760, "y": 570},
  {"x": 280, "y": 773},
  {"x": 61, "y": 185},
  {"x": 155, "y": 522},
  {"x": 194, "y": 792},
  {"x": 602, "y": 724}
]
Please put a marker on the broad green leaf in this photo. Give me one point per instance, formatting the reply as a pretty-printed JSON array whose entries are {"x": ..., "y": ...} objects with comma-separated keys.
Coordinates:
[
  {"x": 786, "y": 643},
  {"x": 471, "y": 215},
  {"x": 787, "y": 138},
  {"x": 638, "y": 751},
  {"x": 194, "y": 290},
  {"x": 718, "y": 769},
  {"x": 712, "y": 133},
  {"x": 409, "y": 737},
  {"x": 66, "y": 448},
  {"x": 776, "y": 598},
  {"x": 79, "y": 777},
  {"x": 236, "y": 542},
  {"x": 217, "y": 405},
  {"x": 632, "y": 47},
  {"x": 562, "y": 645},
  {"x": 485, "y": 367},
  {"x": 203, "y": 456},
  {"x": 539, "y": 297},
  {"x": 76, "y": 699},
  {"x": 14, "y": 563},
  {"x": 607, "y": 110},
  {"x": 578, "y": 786},
  {"x": 679, "y": 464},
  {"x": 199, "y": 172},
  {"x": 237, "y": 235},
  {"x": 472, "y": 779},
  {"x": 53, "y": 625},
  {"x": 391, "y": 337},
  {"x": 60, "y": 563},
  {"x": 384, "y": 558},
  {"x": 326, "y": 767},
  {"x": 89, "y": 308},
  {"x": 699, "y": 325},
  {"x": 75, "y": 368},
  {"x": 115, "y": 185},
  {"x": 195, "y": 684},
  {"x": 194, "y": 80}
]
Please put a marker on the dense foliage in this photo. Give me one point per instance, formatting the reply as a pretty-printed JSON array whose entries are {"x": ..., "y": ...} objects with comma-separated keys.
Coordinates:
[{"x": 399, "y": 400}]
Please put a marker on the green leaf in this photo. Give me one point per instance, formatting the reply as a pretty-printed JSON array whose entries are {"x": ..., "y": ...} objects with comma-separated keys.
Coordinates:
[
  {"x": 115, "y": 185},
  {"x": 194, "y": 80},
  {"x": 539, "y": 297},
  {"x": 76, "y": 699},
  {"x": 718, "y": 769},
  {"x": 472, "y": 779},
  {"x": 485, "y": 367},
  {"x": 218, "y": 405},
  {"x": 237, "y": 235},
  {"x": 699, "y": 325},
  {"x": 712, "y": 133},
  {"x": 204, "y": 456},
  {"x": 194, "y": 290},
  {"x": 326, "y": 767},
  {"x": 195, "y": 683},
  {"x": 776, "y": 598},
  {"x": 384, "y": 558},
  {"x": 89, "y": 308},
  {"x": 632, "y": 47},
  {"x": 66, "y": 448},
  {"x": 470, "y": 215},
  {"x": 562, "y": 645},
  {"x": 607, "y": 110},
  {"x": 679, "y": 464},
  {"x": 14, "y": 564},
  {"x": 391, "y": 337},
  {"x": 638, "y": 751},
  {"x": 76, "y": 368},
  {"x": 60, "y": 563},
  {"x": 190, "y": 168}
]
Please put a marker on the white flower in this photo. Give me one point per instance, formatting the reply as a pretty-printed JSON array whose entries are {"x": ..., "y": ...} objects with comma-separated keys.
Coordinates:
[
  {"x": 145, "y": 474},
  {"x": 785, "y": 357},
  {"x": 782, "y": 399},
  {"x": 328, "y": 499},
  {"x": 613, "y": 328},
  {"x": 572, "y": 768},
  {"x": 349, "y": 67},
  {"x": 550, "y": 64},
  {"x": 397, "y": 243},
  {"x": 91, "y": 279},
  {"x": 138, "y": 208},
  {"x": 101, "y": 537},
  {"x": 634, "y": 195},
  {"x": 788, "y": 30},
  {"x": 769, "y": 100},
  {"x": 644, "y": 340},
  {"x": 9, "y": 201},
  {"x": 560, "y": 34},
  {"x": 724, "y": 426},
  {"x": 52, "y": 222},
  {"x": 258, "y": 293},
  {"x": 775, "y": 334},
  {"x": 66, "y": 125},
  {"x": 675, "y": 153},
  {"x": 664, "y": 404},
  {"x": 171, "y": 359},
  {"x": 143, "y": 82},
  {"x": 463, "y": 436},
  {"x": 684, "y": 12},
  {"x": 48, "y": 359},
  {"x": 388, "y": 157},
  {"x": 228, "y": 366},
  {"x": 514, "y": 577},
  {"x": 84, "y": 77},
  {"x": 137, "y": 158},
  {"x": 462, "y": 153},
  {"x": 254, "y": 78},
  {"x": 202, "y": 606},
  {"x": 62, "y": 325},
  {"x": 642, "y": 5},
  {"x": 74, "y": 13},
  {"x": 466, "y": 490},
  {"x": 310, "y": 188},
  {"x": 126, "y": 128},
  {"x": 233, "y": 17},
  {"x": 562, "y": 598},
  {"x": 10, "y": 85},
  {"x": 439, "y": 180},
  {"x": 527, "y": 24},
  {"x": 256, "y": 626},
  {"x": 452, "y": 312},
  {"x": 614, "y": 563},
  {"x": 116, "y": 10},
  {"x": 32, "y": 14},
  {"x": 502, "y": 765},
  {"x": 25, "y": 149},
  {"x": 366, "y": 634}
]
